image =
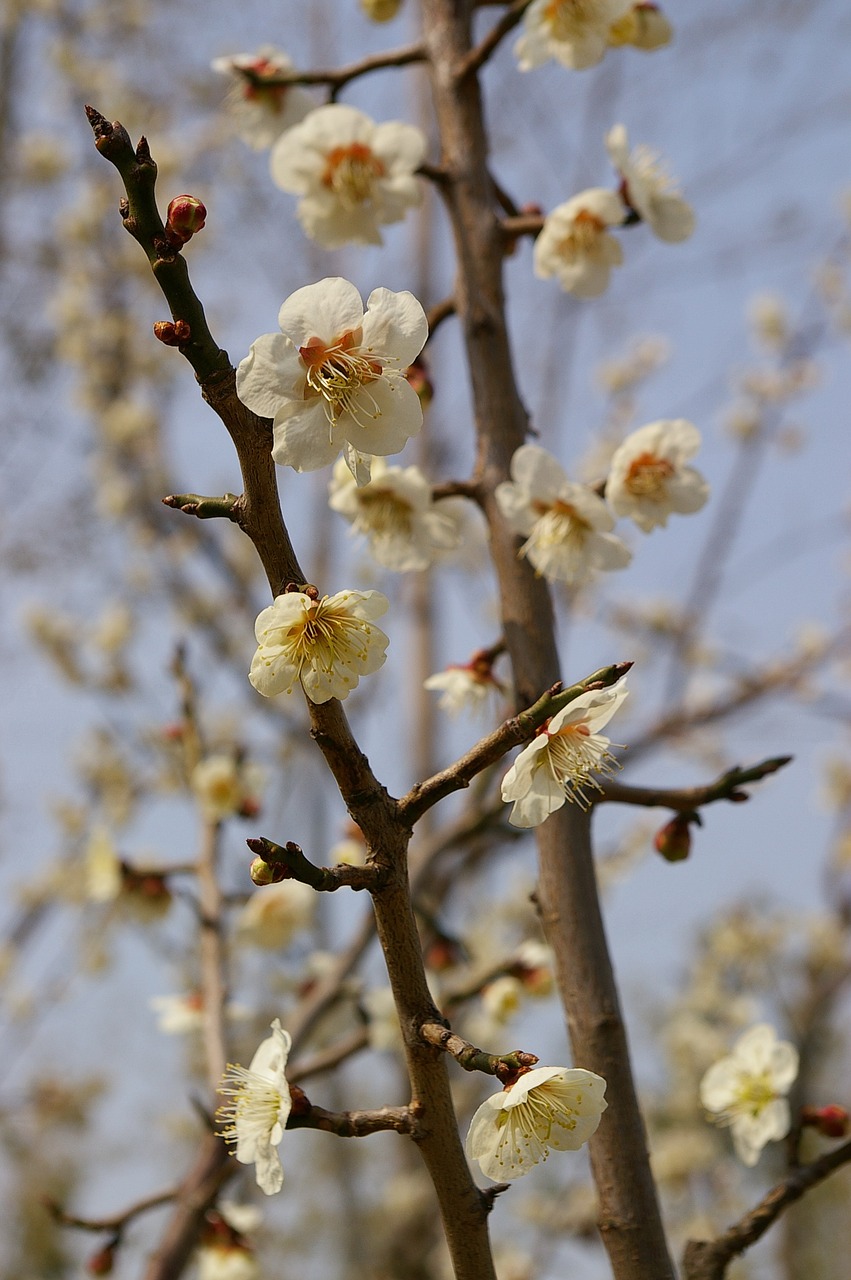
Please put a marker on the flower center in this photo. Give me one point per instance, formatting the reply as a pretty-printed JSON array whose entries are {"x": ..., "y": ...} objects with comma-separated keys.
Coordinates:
[
  {"x": 648, "y": 477},
  {"x": 558, "y": 525},
  {"x": 572, "y": 753},
  {"x": 568, "y": 19},
  {"x": 327, "y": 637},
  {"x": 338, "y": 372},
  {"x": 255, "y": 1107},
  {"x": 384, "y": 513},
  {"x": 754, "y": 1094},
  {"x": 585, "y": 236},
  {"x": 270, "y": 95},
  {"x": 350, "y": 173}
]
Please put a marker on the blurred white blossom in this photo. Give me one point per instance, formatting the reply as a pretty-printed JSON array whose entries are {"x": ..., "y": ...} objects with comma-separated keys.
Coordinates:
[
  {"x": 574, "y": 32},
  {"x": 747, "y": 1089},
  {"x": 649, "y": 189},
  {"x": 273, "y": 915},
  {"x": 649, "y": 478},
  {"x": 574, "y": 244},
  {"x": 261, "y": 111}
]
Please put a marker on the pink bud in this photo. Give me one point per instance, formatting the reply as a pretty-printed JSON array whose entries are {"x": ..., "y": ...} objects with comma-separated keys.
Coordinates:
[
  {"x": 185, "y": 216},
  {"x": 673, "y": 840},
  {"x": 832, "y": 1121},
  {"x": 102, "y": 1262}
]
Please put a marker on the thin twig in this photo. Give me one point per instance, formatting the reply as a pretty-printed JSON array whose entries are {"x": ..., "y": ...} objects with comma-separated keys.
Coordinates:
[
  {"x": 503, "y": 1066},
  {"x": 117, "y": 1222},
  {"x": 689, "y": 799},
  {"x": 478, "y": 56},
  {"x": 337, "y": 77},
  {"x": 359, "y": 1124}
]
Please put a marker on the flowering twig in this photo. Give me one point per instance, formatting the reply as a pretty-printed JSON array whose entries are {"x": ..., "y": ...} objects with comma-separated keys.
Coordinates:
[
  {"x": 290, "y": 862},
  {"x": 510, "y": 734},
  {"x": 501, "y": 1065},
  {"x": 478, "y": 56},
  {"x": 688, "y": 799},
  {"x": 195, "y": 504},
  {"x": 339, "y": 76},
  {"x": 708, "y": 1259},
  {"x": 359, "y": 1124}
]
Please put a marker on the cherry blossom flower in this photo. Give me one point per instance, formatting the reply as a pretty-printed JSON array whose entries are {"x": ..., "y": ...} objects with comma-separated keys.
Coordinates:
[
  {"x": 648, "y": 188},
  {"x": 547, "y": 1108},
  {"x": 559, "y": 762},
  {"x": 225, "y": 786},
  {"x": 648, "y": 477},
  {"x": 352, "y": 174},
  {"x": 334, "y": 379},
  {"x": 644, "y": 26},
  {"x": 574, "y": 32},
  {"x": 178, "y": 1015},
  {"x": 467, "y": 687},
  {"x": 568, "y": 526},
  {"x": 747, "y": 1089},
  {"x": 262, "y": 112},
  {"x": 254, "y": 1121},
  {"x": 406, "y": 529},
  {"x": 273, "y": 915},
  {"x": 325, "y": 644},
  {"x": 574, "y": 244}
]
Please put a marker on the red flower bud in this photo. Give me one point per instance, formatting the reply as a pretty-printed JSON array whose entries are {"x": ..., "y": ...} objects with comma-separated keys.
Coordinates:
[
  {"x": 185, "y": 216},
  {"x": 102, "y": 1262},
  {"x": 832, "y": 1121},
  {"x": 673, "y": 840}
]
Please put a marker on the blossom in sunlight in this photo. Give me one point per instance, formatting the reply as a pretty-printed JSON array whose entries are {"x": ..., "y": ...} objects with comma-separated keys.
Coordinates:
[
  {"x": 262, "y": 111},
  {"x": 406, "y": 529},
  {"x": 178, "y": 1015},
  {"x": 352, "y": 174},
  {"x": 326, "y": 645},
  {"x": 648, "y": 188},
  {"x": 225, "y": 787},
  {"x": 334, "y": 378},
  {"x": 253, "y": 1122},
  {"x": 273, "y": 916},
  {"x": 559, "y": 762},
  {"x": 747, "y": 1090},
  {"x": 468, "y": 686},
  {"x": 574, "y": 244},
  {"x": 568, "y": 527},
  {"x": 574, "y": 32},
  {"x": 648, "y": 476},
  {"x": 644, "y": 26},
  {"x": 547, "y": 1108}
]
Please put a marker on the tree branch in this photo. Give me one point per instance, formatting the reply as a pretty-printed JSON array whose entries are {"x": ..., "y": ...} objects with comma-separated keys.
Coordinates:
[
  {"x": 339, "y": 76},
  {"x": 687, "y": 799},
  {"x": 478, "y": 56},
  {"x": 472, "y": 1059},
  {"x": 359, "y": 1124}
]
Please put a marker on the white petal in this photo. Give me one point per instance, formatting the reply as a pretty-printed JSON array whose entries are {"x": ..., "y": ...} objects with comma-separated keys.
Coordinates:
[
  {"x": 271, "y": 373},
  {"x": 395, "y": 325},
  {"x": 325, "y": 310}
]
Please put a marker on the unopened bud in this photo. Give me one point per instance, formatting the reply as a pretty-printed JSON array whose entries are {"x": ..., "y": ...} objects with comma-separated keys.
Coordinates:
[
  {"x": 381, "y": 10},
  {"x": 263, "y": 873},
  {"x": 418, "y": 377},
  {"x": 832, "y": 1121},
  {"x": 301, "y": 1103},
  {"x": 673, "y": 840},
  {"x": 185, "y": 216},
  {"x": 102, "y": 1262},
  {"x": 172, "y": 334}
]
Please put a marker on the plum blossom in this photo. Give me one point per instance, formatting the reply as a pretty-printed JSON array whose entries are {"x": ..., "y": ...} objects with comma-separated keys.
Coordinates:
[
  {"x": 648, "y": 188},
  {"x": 406, "y": 529},
  {"x": 747, "y": 1089},
  {"x": 568, "y": 527},
  {"x": 226, "y": 786},
  {"x": 574, "y": 244},
  {"x": 559, "y": 762},
  {"x": 178, "y": 1015},
  {"x": 326, "y": 645},
  {"x": 334, "y": 378},
  {"x": 547, "y": 1108},
  {"x": 648, "y": 477},
  {"x": 352, "y": 174},
  {"x": 254, "y": 1121},
  {"x": 644, "y": 26},
  {"x": 466, "y": 687},
  {"x": 574, "y": 32},
  {"x": 262, "y": 112},
  {"x": 273, "y": 915}
]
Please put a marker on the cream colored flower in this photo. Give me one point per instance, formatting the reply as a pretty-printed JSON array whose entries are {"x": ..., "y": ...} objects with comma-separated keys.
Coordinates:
[
  {"x": 254, "y": 1121},
  {"x": 648, "y": 477},
  {"x": 326, "y": 645},
  {"x": 381, "y": 10},
  {"x": 574, "y": 32},
  {"x": 262, "y": 112},
  {"x": 547, "y": 1108},
  {"x": 644, "y": 26},
  {"x": 568, "y": 527},
  {"x": 334, "y": 379},
  {"x": 352, "y": 174},
  {"x": 225, "y": 786},
  {"x": 574, "y": 244},
  {"x": 177, "y": 1015},
  {"x": 559, "y": 762},
  {"x": 649, "y": 189},
  {"x": 406, "y": 529},
  {"x": 273, "y": 915},
  {"x": 103, "y": 874},
  {"x": 747, "y": 1089}
]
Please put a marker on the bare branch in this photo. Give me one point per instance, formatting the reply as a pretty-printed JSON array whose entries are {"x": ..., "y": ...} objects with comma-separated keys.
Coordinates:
[
  {"x": 117, "y": 1222},
  {"x": 339, "y": 76},
  {"x": 688, "y": 799},
  {"x": 477, "y": 57},
  {"x": 287, "y": 862},
  {"x": 503, "y": 1066},
  {"x": 359, "y": 1124}
]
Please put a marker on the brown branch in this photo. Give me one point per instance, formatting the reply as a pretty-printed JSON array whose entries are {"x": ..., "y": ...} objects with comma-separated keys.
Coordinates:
[
  {"x": 118, "y": 1222},
  {"x": 478, "y": 56},
  {"x": 327, "y": 1059},
  {"x": 340, "y": 76},
  {"x": 438, "y": 313},
  {"x": 359, "y": 1124},
  {"x": 708, "y": 1259},
  {"x": 524, "y": 224},
  {"x": 510, "y": 734},
  {"x": 503, "y": 1065},
  {"x": 287, "y": 862},
  {"x": 457, "y": 489},
  {"x": 689, "y": 799}
]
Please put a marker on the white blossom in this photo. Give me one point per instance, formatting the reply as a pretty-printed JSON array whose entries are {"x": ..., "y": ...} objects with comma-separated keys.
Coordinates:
[
  {"x": 559, "y": 762},
  {"x": 334, "y": 378},
  {"x": 463, "y": 689},
  {"x": 648, "y": 477},
  {"x": 326, "y": 645},
  {"x": 254, "y": 1121},
  {"x": 574, "y": 244},
  {"x": 568, "y": 527},
  {"x": 262, "y": 112},
  {"x": 225, "y": 786},
  {"x": 747, "y": 1089},
  {"x": 574, "y": 32},
  {"x": 352, "y": 174},
  {"x": 547, "y": 1108},
  {"x": 406, "y": 529},
  {"x": 178, "y": 1015},
  {"x": 644, "y": 26},
  {"x": 649, "y": 189},
  {"x": 273, "y": 915}
]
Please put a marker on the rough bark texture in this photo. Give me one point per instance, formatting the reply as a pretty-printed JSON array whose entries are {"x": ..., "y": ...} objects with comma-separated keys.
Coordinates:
[{"x": 629, "y": 1213}]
